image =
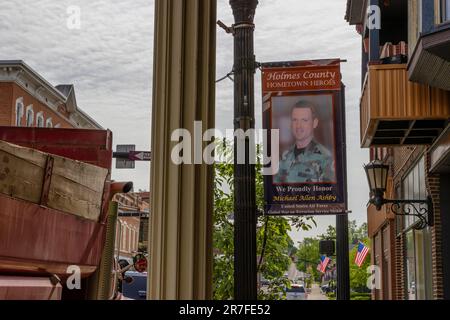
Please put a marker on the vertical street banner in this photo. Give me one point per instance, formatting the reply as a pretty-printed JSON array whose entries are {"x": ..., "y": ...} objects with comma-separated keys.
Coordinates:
[{"x": 305, "y": 102}]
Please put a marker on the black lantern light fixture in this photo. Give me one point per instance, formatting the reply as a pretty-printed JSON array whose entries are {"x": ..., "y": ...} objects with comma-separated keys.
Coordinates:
[{"x": 377, "y": 175}]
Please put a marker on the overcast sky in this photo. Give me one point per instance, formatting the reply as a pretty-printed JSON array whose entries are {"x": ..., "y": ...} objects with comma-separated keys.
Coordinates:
[{"x": 109, "y": 60}]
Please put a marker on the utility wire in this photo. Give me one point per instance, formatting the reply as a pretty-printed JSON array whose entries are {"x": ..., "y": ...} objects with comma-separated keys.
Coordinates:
[{"x": 229, "y": 74}]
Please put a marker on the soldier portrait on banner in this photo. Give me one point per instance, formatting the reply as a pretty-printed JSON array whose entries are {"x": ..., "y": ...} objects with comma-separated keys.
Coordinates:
[
  {"x": 304, "y": 102},
  {"x": 306, "y": 130}
]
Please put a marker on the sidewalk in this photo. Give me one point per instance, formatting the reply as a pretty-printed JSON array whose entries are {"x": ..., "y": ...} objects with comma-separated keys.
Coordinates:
[{"x": 315, "y": 294}]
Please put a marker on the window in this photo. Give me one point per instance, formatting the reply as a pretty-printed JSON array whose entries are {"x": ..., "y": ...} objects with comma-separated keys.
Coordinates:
[
  {"x": 129, "y": 239},
  {"x": 418, "y": 258},
  {"x": 40, "y": 120},
  {"x": 49, "y": 123},
  {"x": 414, "y": 188},
  {"x": 137, "y": 241},
  {"x": 19, "y": 112},
  {"x": 445, "y": 10},
  {"x": 117, "y": 241},
  {"x": 124, "y": 237},
  {"x": 410, "y": 267},
  {"x": 30, "y": 116}
]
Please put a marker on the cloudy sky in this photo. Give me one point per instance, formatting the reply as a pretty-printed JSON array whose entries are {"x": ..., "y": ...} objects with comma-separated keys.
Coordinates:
[{"x": 109, "y": 60}]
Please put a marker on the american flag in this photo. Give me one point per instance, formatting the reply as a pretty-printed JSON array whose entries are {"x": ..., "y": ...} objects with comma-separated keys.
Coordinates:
[
  {"x": 322, "y": 266},
  {"x": 361, "y": 254}
]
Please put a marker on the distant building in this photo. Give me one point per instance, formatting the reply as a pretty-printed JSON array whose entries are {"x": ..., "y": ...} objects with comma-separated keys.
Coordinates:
[
  {"x": 132, "y": 226},
  {"x": 28, "y": 100}
]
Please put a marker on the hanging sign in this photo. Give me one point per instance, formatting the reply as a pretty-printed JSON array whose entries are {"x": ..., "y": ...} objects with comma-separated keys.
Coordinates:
[{"x": 304, "y": 101}]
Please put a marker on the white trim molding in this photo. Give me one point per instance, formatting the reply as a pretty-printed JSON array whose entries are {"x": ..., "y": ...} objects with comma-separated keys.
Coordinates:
[
  {"x": 19, "y": 112},
  {"x": 40, "y": 116},
  {"x": 29, "y": 116},
  {"x": 49, "y": 123},
  {"x": 18, "y": 72}
]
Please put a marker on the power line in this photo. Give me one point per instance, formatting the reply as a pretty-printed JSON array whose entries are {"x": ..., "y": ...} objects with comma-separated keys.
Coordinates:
[{"x": 229, "y": 74}]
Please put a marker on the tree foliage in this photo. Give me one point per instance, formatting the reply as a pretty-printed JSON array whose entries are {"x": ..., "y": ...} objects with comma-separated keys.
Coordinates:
[
  {"x": 308, "y": 257},
  {"x": 308, "y": 254},
  {"x": 273, "y": 242},
  {"x": 359, "y": 276}
]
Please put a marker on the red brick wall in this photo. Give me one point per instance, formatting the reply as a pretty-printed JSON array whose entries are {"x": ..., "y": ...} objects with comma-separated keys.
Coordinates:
[
  {"x": 404, "y": 159},
  {"x": 433, "y": 186},
  {"x": 391, "y": 256},
  {"x": 400, "y": 156},
  {"x": 6, "y": 104},
  {"x": 37, "y": 107},
  {"x": 126, "y": 248},
  {"x": 400, "y": 267}
]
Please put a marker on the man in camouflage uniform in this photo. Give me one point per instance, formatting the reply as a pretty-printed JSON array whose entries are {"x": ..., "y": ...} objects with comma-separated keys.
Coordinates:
[{"x": 307, "y": 160}]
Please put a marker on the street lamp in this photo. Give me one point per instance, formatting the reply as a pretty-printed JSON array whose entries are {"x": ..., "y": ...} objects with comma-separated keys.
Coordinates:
[{"x": 377, "y": 174}]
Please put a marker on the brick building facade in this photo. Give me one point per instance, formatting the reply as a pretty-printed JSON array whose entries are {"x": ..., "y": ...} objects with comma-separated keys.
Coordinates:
[
  {"x": 131, "y": 237},
  {"x": 405, "y": 121},
  {"x": 27, "y": 99}
]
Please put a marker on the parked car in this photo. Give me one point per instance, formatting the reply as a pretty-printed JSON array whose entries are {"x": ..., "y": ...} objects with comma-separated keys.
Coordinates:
[
  {"x": 137, "y": 288},
  {"x": 327, "y": 288},
  {"x": 296, "y": 292}
]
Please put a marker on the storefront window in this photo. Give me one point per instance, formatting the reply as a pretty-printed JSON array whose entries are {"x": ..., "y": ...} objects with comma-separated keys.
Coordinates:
[
  {"x": 414, "y": 188},
  {"x": 418, "y": 242},
  {"x": 410, "y": 267},
  {"x": 423, "y": 267}
]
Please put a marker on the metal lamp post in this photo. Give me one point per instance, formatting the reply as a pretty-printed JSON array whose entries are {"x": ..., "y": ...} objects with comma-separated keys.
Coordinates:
[
  {"x": 377, "y": 174},
  {"x": 245, "y": 270}
]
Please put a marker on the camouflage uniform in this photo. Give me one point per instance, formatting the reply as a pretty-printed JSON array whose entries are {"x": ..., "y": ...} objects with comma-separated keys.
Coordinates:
[{"x": 312, "y": 164}]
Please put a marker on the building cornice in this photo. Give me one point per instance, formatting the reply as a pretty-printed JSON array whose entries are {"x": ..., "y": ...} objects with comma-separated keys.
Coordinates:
[{"x": 18, "y": 72}]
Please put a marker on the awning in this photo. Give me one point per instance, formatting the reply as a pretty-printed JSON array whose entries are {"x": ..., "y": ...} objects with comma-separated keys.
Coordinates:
[{"x": 440, "y": 153}]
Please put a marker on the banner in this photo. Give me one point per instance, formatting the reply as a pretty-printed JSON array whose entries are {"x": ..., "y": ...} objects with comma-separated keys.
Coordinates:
[{"x": 304, "y": 100}]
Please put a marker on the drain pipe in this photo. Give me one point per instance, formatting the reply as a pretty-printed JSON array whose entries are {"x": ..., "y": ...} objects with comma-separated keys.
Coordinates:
[{"x": 106, "y": 272}]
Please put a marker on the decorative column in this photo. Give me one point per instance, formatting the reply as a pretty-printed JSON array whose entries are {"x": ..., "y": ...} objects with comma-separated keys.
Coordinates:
[{"x": 180, "y": 237}]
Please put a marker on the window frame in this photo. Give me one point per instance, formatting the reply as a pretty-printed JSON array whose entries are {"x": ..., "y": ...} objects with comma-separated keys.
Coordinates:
[
  {"x": 413, "y": 179},
  {"x": 407, "y": 191},
  {"x": 49, "y": 123},
  {"x": 442, "y": 12},
  {"x": 29, "y": 116},
  {"x": 40, "y": 116},
  {"x": 19, "y": 112},
  {"x": 445, "y": 11}
]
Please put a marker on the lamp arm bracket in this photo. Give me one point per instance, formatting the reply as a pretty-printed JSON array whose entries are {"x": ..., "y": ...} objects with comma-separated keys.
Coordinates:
[{"x": 422, "y": 209}]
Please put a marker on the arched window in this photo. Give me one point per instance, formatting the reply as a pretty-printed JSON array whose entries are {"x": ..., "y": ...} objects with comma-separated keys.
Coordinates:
[
  {"x": 30, "y": 116},
  {"x": 40, "y": 120},
  {"x": 121, "y": 236},
  {"x": 130, "y": 239},
  {"x": 19, "y": 112},
  {"x": 124, "y": 237},
  {"x": 49, "y": 123}
]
